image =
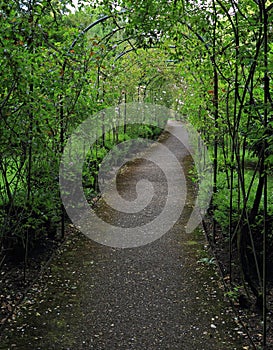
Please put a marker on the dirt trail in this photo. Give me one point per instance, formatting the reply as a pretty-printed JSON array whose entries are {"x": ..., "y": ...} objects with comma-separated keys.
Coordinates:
[{"x": 154, "y": 297}]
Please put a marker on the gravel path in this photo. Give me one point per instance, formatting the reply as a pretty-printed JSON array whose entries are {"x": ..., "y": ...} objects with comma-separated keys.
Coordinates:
[{"x": 154, "y": 297}]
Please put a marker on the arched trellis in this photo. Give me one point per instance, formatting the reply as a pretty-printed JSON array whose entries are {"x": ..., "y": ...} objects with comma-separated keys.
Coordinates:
[
  {"x": 61, "y": 105},
  {"x": 265, "y": 10},
  {"x": 216, "y": 72},
  {"x": 233, "y": 124}
]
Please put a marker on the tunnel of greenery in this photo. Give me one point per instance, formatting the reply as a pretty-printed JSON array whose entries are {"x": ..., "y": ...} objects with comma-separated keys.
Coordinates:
[{"x": 211, "y": 61}]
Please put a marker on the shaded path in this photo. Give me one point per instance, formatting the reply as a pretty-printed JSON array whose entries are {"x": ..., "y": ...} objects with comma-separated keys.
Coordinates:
[{"x": 155, "y": 297}]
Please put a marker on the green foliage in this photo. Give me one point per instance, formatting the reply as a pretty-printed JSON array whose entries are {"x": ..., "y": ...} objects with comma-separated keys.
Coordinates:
[
  {"x": 222, "y": 200},
  {"x": 55, "y": 74},
  {"x": 207, "y": 261},
  {"x": 208, "y": 62},
  {"x": 234, "y": 293}
]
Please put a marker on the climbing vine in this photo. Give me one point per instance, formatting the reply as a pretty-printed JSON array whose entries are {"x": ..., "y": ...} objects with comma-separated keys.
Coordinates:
[{"x": 211, "y": 62}]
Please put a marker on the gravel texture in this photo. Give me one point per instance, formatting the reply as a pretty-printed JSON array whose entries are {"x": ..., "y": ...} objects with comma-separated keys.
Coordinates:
[{"x": 164, "y": 295}]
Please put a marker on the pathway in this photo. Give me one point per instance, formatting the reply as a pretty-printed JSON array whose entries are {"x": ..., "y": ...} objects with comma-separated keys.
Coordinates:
[{"x": 154, "y": 297}]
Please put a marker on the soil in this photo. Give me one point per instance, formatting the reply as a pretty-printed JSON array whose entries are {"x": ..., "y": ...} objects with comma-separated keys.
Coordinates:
[
  {"x": 243, "y": 301},
  {"x": 167, "y": 294}
]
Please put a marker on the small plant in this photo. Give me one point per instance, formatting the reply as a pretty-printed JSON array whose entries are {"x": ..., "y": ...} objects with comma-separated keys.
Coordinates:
[
  {"x": 234, "y": 293},
  {"x": 207, "y": 261}
]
